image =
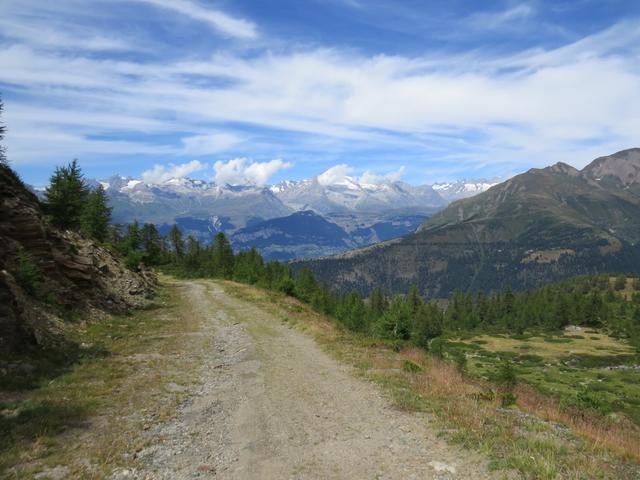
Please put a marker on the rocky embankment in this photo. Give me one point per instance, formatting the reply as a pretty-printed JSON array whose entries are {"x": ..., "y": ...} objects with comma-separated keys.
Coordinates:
[{"x": 46, "y": 273}]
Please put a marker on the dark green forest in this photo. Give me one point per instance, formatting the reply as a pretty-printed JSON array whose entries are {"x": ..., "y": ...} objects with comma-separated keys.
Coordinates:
[{"x": 605, "y": 301}]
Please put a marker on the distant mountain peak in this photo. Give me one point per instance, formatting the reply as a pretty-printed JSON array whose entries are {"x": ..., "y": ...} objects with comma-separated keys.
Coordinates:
[
  {"x": 622, "y": 167},
  {"x": 459, "y": 189},
  {"x": 564, "y": 169}
]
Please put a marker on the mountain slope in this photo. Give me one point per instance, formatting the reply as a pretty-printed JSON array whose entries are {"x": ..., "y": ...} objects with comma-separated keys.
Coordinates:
[
  {"x": 300, "y": 235},
  {"x": 309, "y": 235},
  {"x": 539, "y": 226}
]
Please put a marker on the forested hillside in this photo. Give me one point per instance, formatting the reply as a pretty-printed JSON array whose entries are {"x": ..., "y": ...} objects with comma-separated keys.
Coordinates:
[{"x": 537, "y": 227}]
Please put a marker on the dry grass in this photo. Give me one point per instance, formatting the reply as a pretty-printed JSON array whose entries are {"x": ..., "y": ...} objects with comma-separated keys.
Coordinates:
[
  {"x": 621, "y": 436},
  {"x": 117, "y": 393}
]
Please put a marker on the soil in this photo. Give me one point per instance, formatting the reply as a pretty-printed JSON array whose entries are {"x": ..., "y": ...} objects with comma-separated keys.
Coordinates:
[{"x": 271, "y": 404}]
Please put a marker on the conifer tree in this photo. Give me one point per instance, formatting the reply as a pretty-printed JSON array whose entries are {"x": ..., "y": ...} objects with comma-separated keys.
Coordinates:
[
  {"x": 3, "y": 129},
  {"x": 305, "y": 284},
  {"x": 427, "y": 324},
  {"x": 96, "y": 215},
  {"x": 175, "y": 238},
  {"x": 152, "y": 243},
  {"x": 223, "y": 256},
  {"x": 378, "y": 302},
  {"x": 133, "y": 237},
  {"x": 66, "y": 196},
  {"x": 413, "y": 298}
]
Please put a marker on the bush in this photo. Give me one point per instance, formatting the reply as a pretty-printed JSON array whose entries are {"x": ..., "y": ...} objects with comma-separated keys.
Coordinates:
[
  {"x": 593, "y": 401},
  {"x": 506, "y": 375},
  {"x": 27, "y": 274},
  {"x": 508, "y": 399},
  {"x": 436, "y": 347},
  {"x": 134, "y": 259},
  {"x": 411, "y": 367},
  {"x": 287, "y": 286},
  {"x": 620, "y": 283}
]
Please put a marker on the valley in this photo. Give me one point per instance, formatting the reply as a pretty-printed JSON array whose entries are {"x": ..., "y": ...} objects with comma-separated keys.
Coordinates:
[
  {"x": 349, "y": 214},
  {"x": 537, "y": 227},
  {"x": 252, "y": 371},
  {"x": 337, "y": 240}
]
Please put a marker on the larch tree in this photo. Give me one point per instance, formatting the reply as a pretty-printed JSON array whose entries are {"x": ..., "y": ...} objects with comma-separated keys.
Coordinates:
[
  {"x": 96, "y": 215},
  {"x": 66, "y": 196},
  {"x": 3, "y": 129}
]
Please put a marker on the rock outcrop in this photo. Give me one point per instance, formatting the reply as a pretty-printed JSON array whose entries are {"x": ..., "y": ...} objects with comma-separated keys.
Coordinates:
[{"x": 46, "y": 273}]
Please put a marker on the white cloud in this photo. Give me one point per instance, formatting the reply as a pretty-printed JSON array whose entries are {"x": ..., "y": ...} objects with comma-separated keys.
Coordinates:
[
  {"x": 390, "y": 177},
  {"x": 220, "y": 21},
  {"x": 534, "y": 107},
  {"x": 161, "y": 173},
  {"x": 207, "y": 144},
  {"x": 43, "y": 35},
  {"x": 241, "y": 171},
  {"x": 334, "y": 175},
  {"x": 501, "y": 19}
]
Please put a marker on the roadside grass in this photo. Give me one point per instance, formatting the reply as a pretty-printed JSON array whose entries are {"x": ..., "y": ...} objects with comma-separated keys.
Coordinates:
[
  {"x": 115, "y": 383},
  {"x": 539, "y": 437}
]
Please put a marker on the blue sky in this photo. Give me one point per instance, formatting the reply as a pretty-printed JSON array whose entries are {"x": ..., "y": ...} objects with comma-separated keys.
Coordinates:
[{"x": 250, "y": 90}]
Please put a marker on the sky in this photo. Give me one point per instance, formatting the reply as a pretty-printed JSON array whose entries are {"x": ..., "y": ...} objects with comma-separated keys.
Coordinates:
[{"x": 261, "y": 91}]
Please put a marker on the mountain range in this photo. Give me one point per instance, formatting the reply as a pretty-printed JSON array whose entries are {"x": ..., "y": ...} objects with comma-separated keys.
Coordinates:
[
  {"x": 341, "y": 214},
  {"x": 536, "y": 227}
]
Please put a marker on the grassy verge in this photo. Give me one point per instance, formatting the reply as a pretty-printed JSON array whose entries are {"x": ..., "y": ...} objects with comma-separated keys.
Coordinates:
[
  {"x": 80, "y": 412},
  {"x": 537, "y": 438}
]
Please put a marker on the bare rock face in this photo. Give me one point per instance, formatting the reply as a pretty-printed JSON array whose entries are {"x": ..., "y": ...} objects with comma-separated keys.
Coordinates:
[
  {"x": 68, "y": 272},
  {"x": 623, "y": 167}
]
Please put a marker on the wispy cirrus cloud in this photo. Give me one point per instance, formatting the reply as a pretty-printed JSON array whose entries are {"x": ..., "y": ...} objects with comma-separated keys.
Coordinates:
[
  {"x": 209, "y": 143},
  {"x": 508, "y": 18},
  {"x": 476, "y": 107},
  {"x": 218, "y": 20}
]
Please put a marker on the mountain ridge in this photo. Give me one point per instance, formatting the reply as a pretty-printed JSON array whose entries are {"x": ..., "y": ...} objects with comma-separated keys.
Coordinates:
[{"x": 538, "y": 226}]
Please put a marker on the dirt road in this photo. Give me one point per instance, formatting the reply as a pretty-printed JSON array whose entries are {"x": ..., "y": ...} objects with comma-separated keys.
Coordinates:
[{"x": 272, "y": 405}]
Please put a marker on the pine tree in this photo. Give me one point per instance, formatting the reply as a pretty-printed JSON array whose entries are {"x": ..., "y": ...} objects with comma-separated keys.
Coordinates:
[
  {"x": 414, "y": 299},
  {"x": 427, "y": 324},
  {"x": 3, "y": 129},
  {"x": 396, "y": 323},
  {"x": 305, "y": 284},
  {"x": 351, "y": 312},
  {"x": 66, "y": 196},
  {"x": 192, "y": 258},
  {"x": 378, "y": 302},
  {"x": 175, "y": 238},
  {"x": 133, "y": 237},
  {"x": 152, "y": 244},
  {"x": 96, "y": 215},
  {"x": 223, "y": 256}
]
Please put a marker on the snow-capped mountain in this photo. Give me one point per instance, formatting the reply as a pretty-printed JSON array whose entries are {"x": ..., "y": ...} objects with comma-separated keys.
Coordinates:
[
  {"x": 451, "y": 191},
  {"x": 348, "y": 194},
  {"x": 364, "y": 211},
  {"x": 198, "y": 203}
]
